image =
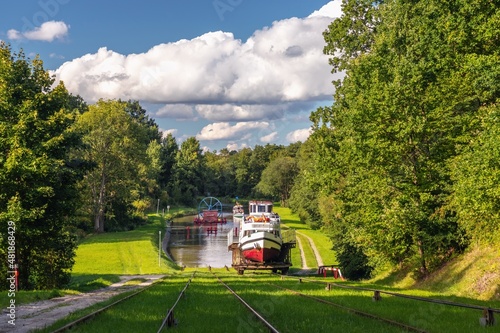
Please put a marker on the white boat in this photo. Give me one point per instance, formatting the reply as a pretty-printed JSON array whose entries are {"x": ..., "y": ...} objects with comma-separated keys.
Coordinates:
[
  {"x": 260, "y": 233},
  {"x": 238, "y": 211}
]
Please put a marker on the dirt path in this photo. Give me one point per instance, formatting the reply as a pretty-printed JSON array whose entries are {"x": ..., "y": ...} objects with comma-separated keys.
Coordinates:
[
  {"x": 41, "y": 314},
  {"x": 319, "y": 260},
  {"x": 302, "y": 255}
]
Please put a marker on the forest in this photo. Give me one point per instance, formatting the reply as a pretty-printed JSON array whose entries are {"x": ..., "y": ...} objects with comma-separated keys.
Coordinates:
[{"x": 403, "y": 168}]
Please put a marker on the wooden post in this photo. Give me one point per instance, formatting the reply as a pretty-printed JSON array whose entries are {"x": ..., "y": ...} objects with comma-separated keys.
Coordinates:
[{"x": 487, "y": 319}]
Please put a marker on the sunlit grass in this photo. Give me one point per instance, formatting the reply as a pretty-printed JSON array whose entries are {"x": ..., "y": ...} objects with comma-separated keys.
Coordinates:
[
  {"x": 308, "y": 252},
  {"x": 102, "y": 258},
  {"x": 122, "y": 253},
  {"x": 322, "y": 242},
  {"x": 208, "y": 307}
]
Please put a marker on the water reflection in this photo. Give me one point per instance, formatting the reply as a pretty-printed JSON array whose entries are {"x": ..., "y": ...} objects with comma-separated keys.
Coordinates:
[{"x": 195, "y": 246}]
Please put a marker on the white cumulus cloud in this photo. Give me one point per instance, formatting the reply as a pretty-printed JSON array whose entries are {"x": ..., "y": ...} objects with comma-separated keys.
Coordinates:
[
  {"x": 243, "y": 87},
  {"x": 283, "y": 63},
  {"x": 47, "y": 32},
  {"x": 269, "y": 138},
  {"x": 332, "y": 9},
  {"x": 298, "y": 135},
  {"x": 226, "y": 131}
]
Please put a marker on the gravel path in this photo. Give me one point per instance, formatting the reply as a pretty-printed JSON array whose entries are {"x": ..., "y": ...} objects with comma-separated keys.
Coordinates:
[
  {"x": 38, "y": 315},
  {"x": 319, "y": 260},
  {"x": 302, "y": 255}
]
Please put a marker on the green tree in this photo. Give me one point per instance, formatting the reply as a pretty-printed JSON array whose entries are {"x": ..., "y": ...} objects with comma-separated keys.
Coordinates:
[
  {"x": 278, "y": 178},
  {"x": 115, "y": 145},
  {"x": 409, "y": 98},
  {"x": 476, "y": 175},
  {"x": 220, "y": 177},
  {"x": 305, "y": 191},
  {"x": 188, "y": 179},
  {"x": 169, "y": 151},
  {"x": 37, "y": 177}
]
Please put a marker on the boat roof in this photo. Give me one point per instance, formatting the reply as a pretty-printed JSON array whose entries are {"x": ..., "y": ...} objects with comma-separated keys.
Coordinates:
[{"x": 260, "y": 202}]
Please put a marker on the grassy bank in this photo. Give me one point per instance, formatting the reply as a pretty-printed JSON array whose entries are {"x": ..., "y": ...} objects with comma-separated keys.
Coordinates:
[
  {"x": 321, "y": 241},
  {"x": 102, "y": 258}
]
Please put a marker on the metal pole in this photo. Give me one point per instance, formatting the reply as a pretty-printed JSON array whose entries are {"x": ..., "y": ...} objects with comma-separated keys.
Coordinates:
[
  {"x": 159, "y": 248},
  {"x": 158, "y": 207}
]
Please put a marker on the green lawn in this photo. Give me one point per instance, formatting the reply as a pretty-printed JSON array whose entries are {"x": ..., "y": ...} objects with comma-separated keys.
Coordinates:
[
  {"x": 320, "y": 239},
  {"x": 208, "y": 307},
  {"x": 101, "y": 259}
]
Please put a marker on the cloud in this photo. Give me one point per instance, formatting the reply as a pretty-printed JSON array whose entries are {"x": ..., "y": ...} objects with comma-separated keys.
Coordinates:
[
  {"x": 56, "y": 56},
  {"x": 226, "y": 131},
  {"x": 283, "y": 63},
  {"x": 298, "y": 135},
  {"x": 242, "y": 87},
  {"x": 332, "y": 9},
  {"x": 177, "y": 111},
  {"x": 172, "y": 131},
  {"x": 269, "y": 138},
  {"x": 47, "y": 32}
]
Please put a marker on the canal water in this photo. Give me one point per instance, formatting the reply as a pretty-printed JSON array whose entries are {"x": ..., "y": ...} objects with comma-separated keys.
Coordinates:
[{"x": 194, "y": 245}]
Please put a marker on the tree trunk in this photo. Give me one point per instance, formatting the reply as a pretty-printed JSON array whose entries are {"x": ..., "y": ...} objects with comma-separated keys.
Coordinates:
[
  {"x": 101, "y": 204},
  {"x": 423, "y": 265}
]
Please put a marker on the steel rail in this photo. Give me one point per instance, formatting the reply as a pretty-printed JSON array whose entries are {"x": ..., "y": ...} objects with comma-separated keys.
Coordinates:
[
  {"x": 259, "y": 316},
  {"x": 170, "y": 312},
  {"x": 416, "y": 298},
  {"x": 357, "y": 312},
  {"x": 95, "y": 313}
]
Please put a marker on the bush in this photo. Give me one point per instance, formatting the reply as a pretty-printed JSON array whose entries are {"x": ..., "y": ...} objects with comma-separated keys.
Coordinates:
[{"x": 353, "y": 261}]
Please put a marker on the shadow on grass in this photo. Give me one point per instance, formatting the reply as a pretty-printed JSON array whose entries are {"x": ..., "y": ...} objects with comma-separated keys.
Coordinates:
[
  {"x": 91, "y": 282},
  {"x": 143, "y": 232}
]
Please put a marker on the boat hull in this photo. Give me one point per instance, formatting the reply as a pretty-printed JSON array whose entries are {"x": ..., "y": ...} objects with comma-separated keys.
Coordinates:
[{"x": 261, "y": 246}]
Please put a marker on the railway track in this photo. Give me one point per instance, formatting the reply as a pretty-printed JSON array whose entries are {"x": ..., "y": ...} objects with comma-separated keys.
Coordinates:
[
  {"x": 269, "y": 302},
  {"x": 259, "y": 316},
  {"x": 354, "y": 311},
  {"x": 93, "y": 314}
]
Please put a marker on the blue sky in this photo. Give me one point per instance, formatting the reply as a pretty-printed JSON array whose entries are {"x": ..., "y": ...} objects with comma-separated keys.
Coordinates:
[{"x": 232, "y": 73}]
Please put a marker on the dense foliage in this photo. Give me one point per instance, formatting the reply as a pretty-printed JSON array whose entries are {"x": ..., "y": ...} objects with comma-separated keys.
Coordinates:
[
  {"x": 37, "y": 176},
  {"x": 402, "y": 168},
  {"x": 400, "y": 156}
]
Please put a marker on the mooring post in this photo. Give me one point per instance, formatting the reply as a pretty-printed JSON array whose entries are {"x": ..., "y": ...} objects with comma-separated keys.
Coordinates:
[{"x": 487, "y": 319}]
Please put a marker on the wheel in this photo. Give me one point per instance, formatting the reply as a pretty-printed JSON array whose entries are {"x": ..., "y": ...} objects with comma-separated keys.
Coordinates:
[{"x": 210, "y": 203}]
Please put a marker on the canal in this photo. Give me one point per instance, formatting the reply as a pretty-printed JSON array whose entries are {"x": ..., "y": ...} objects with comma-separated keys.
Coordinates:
[{"x": 195, "y": 246}]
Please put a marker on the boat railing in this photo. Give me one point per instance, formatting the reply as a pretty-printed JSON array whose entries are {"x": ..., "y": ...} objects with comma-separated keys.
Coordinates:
[{"x": 230, "y": 237}]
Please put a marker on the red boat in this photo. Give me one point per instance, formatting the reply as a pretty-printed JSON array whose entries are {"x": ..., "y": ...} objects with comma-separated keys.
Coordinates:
[{"x": 260, "y": 234}]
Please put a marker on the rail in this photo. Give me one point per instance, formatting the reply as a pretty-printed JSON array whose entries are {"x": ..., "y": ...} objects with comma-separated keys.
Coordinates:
[
  {"x": 95, "y": 313},
  {"x": 487, "y": 311},
  {"x": 169, "y": 318},
  {"x": 355, "y": 311},
  {"x": 259, "y": 316}
]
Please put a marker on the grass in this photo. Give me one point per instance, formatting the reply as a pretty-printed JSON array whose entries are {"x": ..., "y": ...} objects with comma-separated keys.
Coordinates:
[
  {"x": 320, "y": 239},
  {"x": 308, "y": 251},
  {"x": 208, "y": 307},
  {"x": 102, "y": 258}
]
